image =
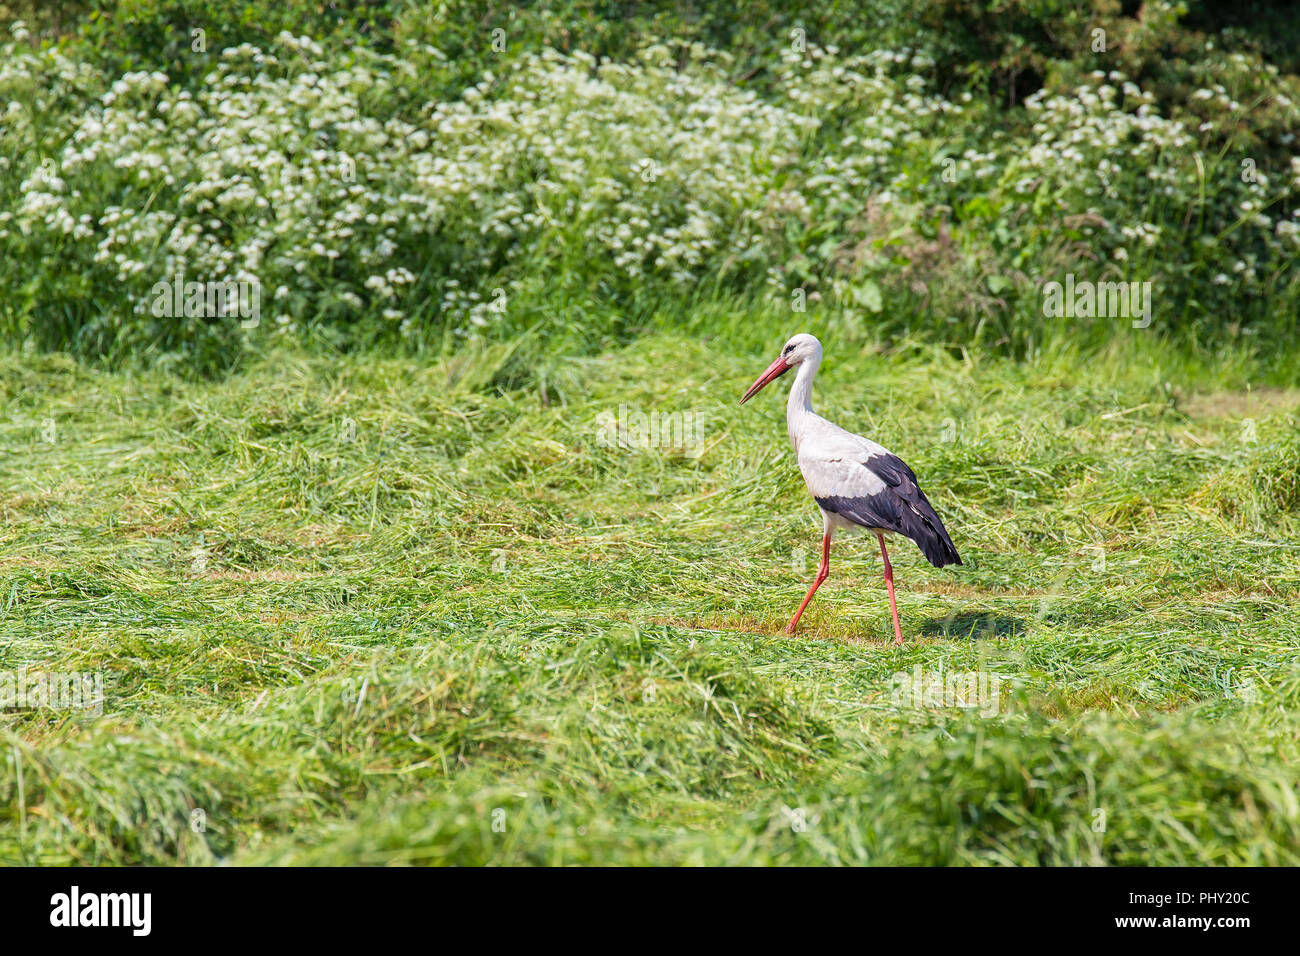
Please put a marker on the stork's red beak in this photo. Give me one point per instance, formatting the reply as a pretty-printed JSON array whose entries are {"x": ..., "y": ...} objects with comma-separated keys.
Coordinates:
[{"x": 774, "y": 371}]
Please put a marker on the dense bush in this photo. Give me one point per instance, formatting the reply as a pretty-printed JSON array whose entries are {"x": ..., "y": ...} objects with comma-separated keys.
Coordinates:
[{"x": 410, "y": 175}]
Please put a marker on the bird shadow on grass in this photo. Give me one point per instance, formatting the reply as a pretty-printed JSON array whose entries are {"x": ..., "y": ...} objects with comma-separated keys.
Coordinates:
[{"x": 974, "y": 625}]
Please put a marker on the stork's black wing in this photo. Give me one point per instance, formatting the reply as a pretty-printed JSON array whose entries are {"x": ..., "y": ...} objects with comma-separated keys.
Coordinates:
[{"x": 901, "y": 507}]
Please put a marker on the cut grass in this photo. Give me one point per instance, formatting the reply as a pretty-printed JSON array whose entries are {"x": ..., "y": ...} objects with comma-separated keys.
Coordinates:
[{"x": 370, "y": 609}]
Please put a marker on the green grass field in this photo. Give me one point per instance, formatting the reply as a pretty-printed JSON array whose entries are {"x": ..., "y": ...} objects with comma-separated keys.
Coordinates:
[
  {"x": 383, "y": 610},
  {"x": 447, "y": 541}
]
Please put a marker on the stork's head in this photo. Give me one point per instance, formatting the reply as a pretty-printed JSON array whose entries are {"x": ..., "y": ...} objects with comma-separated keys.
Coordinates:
[{"x": 801, "y": 348}]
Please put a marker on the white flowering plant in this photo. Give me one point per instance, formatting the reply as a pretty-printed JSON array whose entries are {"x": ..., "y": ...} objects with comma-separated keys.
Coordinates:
[{"x": 619, "y": 188}]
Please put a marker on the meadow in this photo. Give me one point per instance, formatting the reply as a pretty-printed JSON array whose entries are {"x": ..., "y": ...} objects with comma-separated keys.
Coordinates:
[
  {"x": 361, "y": 611},
  {"x": 385, "y": 577}
]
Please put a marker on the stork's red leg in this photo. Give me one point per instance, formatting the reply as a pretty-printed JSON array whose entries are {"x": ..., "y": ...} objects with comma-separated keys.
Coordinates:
[
  {"x": 889, "y": 583},
  {"x": 822, "y": 574}
]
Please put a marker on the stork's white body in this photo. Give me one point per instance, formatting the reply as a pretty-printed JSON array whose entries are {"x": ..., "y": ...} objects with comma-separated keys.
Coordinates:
[
  {"x": 830, "y": 457},
  {"x": 856, "y": 482}
]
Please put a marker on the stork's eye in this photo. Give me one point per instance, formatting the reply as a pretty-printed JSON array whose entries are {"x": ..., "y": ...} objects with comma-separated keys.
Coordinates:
[{"x": 788, "y": 350}]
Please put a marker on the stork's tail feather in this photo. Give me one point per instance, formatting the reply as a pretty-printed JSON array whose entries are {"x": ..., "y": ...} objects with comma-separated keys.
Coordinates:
[
  {"x": 935, "y": 543},
  {"x": 912, "y": 517},
  {"x": 919, "y": 522}
]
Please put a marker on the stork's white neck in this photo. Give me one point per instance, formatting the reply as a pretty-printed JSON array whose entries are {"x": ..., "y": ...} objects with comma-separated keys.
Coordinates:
[{"x": 799, "y": 407}]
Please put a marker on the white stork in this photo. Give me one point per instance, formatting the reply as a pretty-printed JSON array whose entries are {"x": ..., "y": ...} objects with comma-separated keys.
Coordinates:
[{"x": 855, "y": 482}]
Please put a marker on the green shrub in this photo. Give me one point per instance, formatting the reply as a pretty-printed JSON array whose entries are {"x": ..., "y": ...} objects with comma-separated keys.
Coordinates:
[{"x": 402, "y": 173}]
